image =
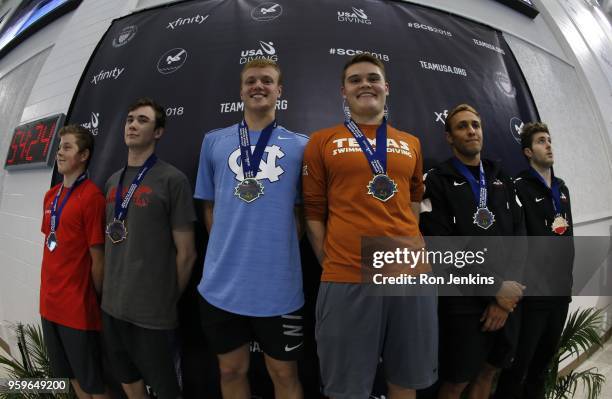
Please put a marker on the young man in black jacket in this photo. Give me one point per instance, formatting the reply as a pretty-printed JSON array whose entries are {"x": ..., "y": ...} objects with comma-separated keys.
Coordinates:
[
  {"x": 548, "y": 214},
  {"x": 467, "y": 196}
]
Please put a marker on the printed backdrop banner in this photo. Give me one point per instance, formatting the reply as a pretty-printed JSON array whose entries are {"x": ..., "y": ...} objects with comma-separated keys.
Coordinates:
[{"x": 188, "y": 57}]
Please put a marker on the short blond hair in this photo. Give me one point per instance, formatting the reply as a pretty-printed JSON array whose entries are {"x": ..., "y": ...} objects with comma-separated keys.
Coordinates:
[{"x": 261, "y": 63}]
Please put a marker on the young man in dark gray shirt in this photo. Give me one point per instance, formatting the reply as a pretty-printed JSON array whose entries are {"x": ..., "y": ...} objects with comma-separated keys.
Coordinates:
[{"x": 149, "y": 254}]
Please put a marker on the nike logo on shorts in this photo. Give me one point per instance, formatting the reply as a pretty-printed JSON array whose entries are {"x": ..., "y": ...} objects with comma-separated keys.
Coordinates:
[
  {"x": 458, "y": 184},
  {"x": 290, "y": 348},
  {"x": 539, "y": 199}
]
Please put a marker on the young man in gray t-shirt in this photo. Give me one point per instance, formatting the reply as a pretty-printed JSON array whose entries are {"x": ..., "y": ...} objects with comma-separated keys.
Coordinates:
[{"x": 149, "y": 254}]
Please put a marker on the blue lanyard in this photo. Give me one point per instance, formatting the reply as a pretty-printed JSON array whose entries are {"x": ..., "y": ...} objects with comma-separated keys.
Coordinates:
[
  {"x": 377, "y": 159},
  {"x": 554, "y": 188},
  {"x": 121, "y": 204},
  {"x": 479, "y": 187},
  {"x": 57, "y": 212},
  {"x": 251, "y": 161}
]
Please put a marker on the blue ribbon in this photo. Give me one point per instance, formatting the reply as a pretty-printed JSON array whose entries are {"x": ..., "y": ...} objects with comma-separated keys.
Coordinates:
[
  {"x": 121, "y": 204},
  {"x": 554, "y": 188},
  {"x": 250, "y": 161},
  {"x": 479, "y": 187},
  {"x": 377, "y": 159},
  {"x": 56, "y": 212}
]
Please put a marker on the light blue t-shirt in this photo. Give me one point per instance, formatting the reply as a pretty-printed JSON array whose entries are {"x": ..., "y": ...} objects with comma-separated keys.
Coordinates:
[{"x": 252, "y": 265}]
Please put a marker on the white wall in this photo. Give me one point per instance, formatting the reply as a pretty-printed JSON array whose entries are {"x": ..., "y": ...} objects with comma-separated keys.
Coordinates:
[
  {"x": 70, "y": 41},
  {"x": 552, "y": 36}
]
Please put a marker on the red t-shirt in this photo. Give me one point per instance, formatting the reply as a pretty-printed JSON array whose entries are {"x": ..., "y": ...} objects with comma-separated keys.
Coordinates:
[{"x": 67, "y": 293}]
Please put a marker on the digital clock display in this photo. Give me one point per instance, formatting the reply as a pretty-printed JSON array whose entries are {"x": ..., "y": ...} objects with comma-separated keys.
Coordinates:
[{"x": 33, "y": 144}]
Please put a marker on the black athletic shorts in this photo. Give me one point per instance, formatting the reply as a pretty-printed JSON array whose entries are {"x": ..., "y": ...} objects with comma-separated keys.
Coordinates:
[
  {"x": 138, "y": 353},
  {"x": 464, "y": 348},
  {"x": 75, "y": 354},
  {"x": 280, "y": 337}
]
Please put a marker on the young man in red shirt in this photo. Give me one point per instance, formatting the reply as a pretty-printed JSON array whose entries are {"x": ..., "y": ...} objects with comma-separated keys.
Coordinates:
[{"x": 72, "y": 267}]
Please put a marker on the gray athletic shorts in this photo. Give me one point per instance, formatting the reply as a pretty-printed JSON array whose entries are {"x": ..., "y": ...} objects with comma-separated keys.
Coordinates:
[{"x": 354, "y": 330}]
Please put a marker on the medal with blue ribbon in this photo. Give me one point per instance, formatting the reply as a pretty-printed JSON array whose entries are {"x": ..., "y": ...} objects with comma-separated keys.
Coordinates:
[
  {"x": 381, "y": 187},
  {"x": 57, "y": 212},
  {"x": 250, "y": 189},
  {"x": 483, "y": 217},
  {"x": 116, "y": 230},
  {"x": 559, "y": 225}
]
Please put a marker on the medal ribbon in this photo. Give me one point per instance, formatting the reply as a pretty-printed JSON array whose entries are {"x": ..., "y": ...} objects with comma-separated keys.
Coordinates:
[
  {"x": 57, "y": 212},
  {"x": 121, "y": 204},
  {"x": 250, "y": 161},
  {"x": 377, "y": 159},
  {"x": 554, "y": 189},
  {"x": 479, "y": 188}
]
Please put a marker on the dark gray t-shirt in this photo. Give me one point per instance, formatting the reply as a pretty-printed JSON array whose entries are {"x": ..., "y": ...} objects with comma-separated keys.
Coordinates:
[{"x": 140, "y": 282}]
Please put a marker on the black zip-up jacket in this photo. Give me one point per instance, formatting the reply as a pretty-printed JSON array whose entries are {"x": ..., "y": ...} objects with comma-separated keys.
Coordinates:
[
  {"x": 551, "y": 256},
  {"x": 448, "y": 210}
]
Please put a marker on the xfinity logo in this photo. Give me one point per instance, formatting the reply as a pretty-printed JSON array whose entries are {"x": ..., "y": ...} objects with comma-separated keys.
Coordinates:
[
  {"x": 125, "y": 35},
  {"x": 265, "y": 50},
  {"x": 171, "y": 61},
  {"x": 441, "y": 116},
  {"x": 198, "y": 19},
  {"x": 104, "y": 75},
  {"x": 516, "y": 126},
  {"x": 503, "y": 83},
  {"x": 267, "y": 11},
  {"x": 355, "y": 16},
  {"x": 93, "y": 123},
  {"x": 239, "y": 106}
]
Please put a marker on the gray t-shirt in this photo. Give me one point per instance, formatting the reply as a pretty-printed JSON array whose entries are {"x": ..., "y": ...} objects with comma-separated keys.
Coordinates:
[{"x": 140, "y": 282}]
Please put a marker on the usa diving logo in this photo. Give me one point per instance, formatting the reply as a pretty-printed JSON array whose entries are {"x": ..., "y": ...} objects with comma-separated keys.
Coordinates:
[
  {"x": 93, "y": 123},
  {"x": 266, "y": 50},
  {"x": 268, "y": 169},
  {"x": 354, "y": 16}
]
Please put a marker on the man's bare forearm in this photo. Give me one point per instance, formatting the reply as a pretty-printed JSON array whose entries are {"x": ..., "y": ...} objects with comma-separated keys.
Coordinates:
[
  {"x": 97, "y": 267},
  {"x": 316, "y": 235}
]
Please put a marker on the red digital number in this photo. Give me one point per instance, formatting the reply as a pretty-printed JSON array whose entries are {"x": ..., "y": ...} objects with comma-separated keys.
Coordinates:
[
  {"x": 46, "y": 137},
  {"x": 33, "y": 143},
  {"x": 22, "y": 143},
  {"x": 13, "y": 154}
]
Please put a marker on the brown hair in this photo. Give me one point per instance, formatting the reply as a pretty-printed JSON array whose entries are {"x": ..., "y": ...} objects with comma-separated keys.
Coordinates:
[
  {"x": 363, "y": 58},
  {"x": 160, "y": 113},
  {"x": 83, "y": 137},
  {"x": 456, "y": 110},
  {"x": 529, "y": 130}
]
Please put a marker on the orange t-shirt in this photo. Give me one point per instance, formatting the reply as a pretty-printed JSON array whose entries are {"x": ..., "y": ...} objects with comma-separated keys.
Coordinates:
[{"x": 335, "y": 178}]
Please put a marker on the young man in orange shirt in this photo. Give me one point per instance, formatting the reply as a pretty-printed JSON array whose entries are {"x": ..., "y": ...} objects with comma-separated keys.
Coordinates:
[{"x": 350, "y": 191}]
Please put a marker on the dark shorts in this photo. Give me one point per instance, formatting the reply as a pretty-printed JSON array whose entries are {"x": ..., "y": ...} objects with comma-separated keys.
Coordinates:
[
  {"x": 138, "y": 353},
  {"x": 539, "y": 337},
  {"x": 464, "y": 348},
  {"x": 355, "y": 330},
  {"x": 75, "y": 354},
  {"x": 280, "y": 337}
]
